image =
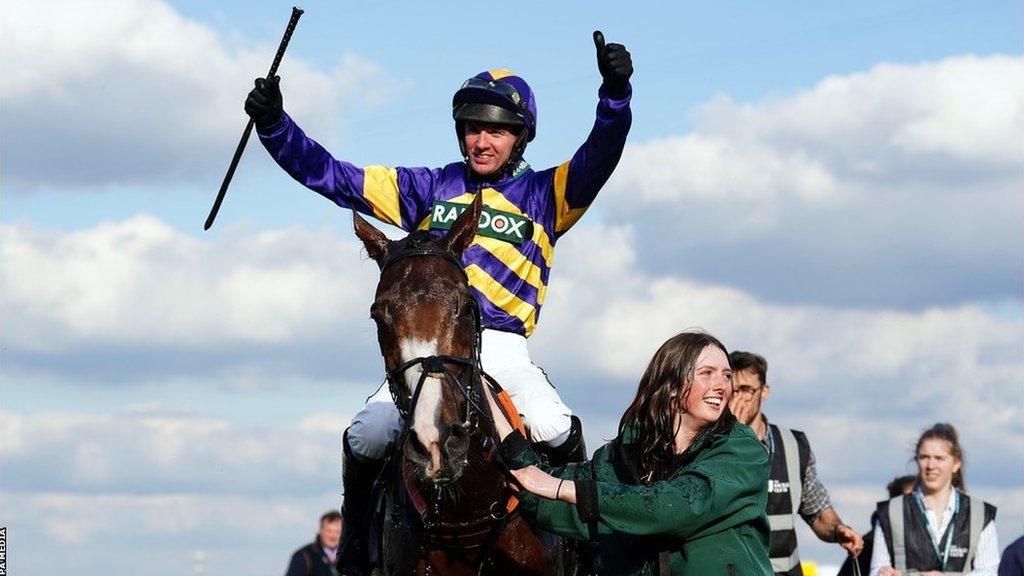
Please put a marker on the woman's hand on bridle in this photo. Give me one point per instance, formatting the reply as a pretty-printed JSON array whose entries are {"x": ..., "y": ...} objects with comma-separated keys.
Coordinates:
[
  {"x": 531, "y": 478},
  {"x": 536, "y": 481}
]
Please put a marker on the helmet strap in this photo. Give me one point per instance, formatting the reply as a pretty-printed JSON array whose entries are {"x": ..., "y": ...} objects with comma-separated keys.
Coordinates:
[
  {"x": 460, "y": 133},
  {"x": 518, "y": 148}
]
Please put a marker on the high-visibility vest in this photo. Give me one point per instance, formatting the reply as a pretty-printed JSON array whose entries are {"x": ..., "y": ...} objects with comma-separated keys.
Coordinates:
[
  {"x": 910, "y": 544},
  {"x": 790, "y": 456}
]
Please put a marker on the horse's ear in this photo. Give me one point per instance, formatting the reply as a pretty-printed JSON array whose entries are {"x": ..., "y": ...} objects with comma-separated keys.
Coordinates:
[
  {"x": 464, "y": 228},
  {"x": 374, "y": 240}
]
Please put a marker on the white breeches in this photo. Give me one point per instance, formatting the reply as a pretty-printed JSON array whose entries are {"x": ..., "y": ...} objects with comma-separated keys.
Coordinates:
[{"x": 505, "y": 357}]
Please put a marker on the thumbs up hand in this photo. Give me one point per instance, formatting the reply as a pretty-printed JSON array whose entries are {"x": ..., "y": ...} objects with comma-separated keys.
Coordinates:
[{"x": 614, "y": 63}]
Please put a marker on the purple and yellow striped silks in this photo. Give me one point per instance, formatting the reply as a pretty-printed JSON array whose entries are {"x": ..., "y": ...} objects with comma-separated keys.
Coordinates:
[{"x": 509, "y": 278}]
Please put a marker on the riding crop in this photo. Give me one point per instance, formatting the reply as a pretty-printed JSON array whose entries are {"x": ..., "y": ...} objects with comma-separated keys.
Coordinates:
[{"x": 296, "y": 12}]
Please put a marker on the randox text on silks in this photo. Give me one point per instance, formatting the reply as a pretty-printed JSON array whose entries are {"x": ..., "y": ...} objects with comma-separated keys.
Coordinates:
[{"x": 513, "y": 228}]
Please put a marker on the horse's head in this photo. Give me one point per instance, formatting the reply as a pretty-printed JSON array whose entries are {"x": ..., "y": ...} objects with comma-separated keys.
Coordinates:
[{"x": 423, "y": 308}]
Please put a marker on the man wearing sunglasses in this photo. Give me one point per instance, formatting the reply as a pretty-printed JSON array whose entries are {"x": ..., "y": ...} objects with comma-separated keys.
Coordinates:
[{"x": 509, "y": 262}]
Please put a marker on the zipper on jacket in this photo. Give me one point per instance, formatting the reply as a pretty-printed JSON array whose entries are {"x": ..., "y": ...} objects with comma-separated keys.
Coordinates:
[{"x": 730, "y": 569}]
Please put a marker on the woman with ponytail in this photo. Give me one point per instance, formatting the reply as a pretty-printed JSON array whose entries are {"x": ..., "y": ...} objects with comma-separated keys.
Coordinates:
[
  {"x": 938, "y": 528},
  {"x": 680, "y": 490}
]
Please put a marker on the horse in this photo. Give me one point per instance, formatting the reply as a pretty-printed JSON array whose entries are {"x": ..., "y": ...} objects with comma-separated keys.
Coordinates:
[{"x": 444, "y": 505}]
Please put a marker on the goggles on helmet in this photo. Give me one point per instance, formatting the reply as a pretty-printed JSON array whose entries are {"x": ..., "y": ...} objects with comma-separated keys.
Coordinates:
[{"x": 507, "y": 91}]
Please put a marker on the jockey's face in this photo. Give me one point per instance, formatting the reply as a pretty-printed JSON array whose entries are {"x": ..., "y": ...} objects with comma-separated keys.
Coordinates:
[
  {"x": 711, "y": 389},
  {"x": 488, "y": 146}
]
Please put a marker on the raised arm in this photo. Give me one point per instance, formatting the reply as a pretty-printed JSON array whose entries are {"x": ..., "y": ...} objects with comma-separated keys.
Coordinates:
[
  {"x": 577, "y": 181},
  {"x": 398, "y": 196}
]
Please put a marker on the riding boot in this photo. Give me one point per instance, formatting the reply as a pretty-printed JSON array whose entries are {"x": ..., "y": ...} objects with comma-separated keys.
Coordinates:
[
  {"x": 574, "y": 449},
  {"x": 357, "y": 476}
]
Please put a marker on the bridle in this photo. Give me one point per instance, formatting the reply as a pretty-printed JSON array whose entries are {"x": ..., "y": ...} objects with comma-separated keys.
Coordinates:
[
  {"x": 477, "y": 534},
  {"x": 472, "y": 390}
]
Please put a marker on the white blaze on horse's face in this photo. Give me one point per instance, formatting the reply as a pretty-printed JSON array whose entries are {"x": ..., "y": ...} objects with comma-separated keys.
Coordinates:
[{"x": 428, "y": 406}]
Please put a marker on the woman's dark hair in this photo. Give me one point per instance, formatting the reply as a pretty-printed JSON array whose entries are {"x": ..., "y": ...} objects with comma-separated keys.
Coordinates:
[
  {"x": 652, "y": 414},
  {"x": 944, "y": 431}
]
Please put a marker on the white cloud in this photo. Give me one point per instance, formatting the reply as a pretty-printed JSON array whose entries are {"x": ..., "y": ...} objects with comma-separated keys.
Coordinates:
[
  {"x": 894, "y": 120},
  {"x": 163, "y": 103},
  {"x": 115, "y": 533},
  {"x": 91, "y": 463},
  {"x": 615, "y": 314},
  {"x": 281, "y": 304},
  {"x": 721, "y": 168},
  {"x": 156, "y": 451},
  {"x": 898, "y": 186},
  {"x": 855, "y": 379},
  {"x": 139, "y": 281}
]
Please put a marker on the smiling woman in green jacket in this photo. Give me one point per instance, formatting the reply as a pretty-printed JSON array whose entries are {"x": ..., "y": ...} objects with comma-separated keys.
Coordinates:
[{"x": 680, "y": 490}]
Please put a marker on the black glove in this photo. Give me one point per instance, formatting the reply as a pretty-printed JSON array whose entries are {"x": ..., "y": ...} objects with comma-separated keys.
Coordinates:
[
  {"x": 264, "y": 104},
  {"x": 615, "y": 64}
]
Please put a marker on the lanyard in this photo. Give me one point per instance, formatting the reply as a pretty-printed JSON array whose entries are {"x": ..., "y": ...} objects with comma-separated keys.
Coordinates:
[
  {"x": 769, "y": 438},
  {"x": 943, "y": 556}
]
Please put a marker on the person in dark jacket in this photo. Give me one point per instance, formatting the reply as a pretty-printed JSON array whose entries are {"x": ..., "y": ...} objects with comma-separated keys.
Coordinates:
[
  {"x": 320, "y": 557},
  {"x": 901, "y": 485},
  {"x": 1012, "y": 563},
  {"x": 680, "y": 490}
]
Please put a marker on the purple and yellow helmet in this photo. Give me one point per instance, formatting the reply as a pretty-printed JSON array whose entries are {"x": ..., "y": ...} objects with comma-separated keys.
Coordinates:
[{"x": 496, "y": 97}]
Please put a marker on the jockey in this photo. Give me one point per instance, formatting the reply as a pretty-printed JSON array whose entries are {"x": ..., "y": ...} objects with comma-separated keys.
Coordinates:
[{"x": 526, "y": 212}]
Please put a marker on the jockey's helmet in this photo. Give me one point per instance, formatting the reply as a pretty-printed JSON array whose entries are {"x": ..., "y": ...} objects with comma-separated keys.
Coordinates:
[{"x": 496, "y": 97}]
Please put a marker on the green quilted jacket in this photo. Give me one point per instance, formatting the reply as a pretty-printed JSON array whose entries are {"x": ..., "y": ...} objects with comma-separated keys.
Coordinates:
[{"x": 705, "y": 518}]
